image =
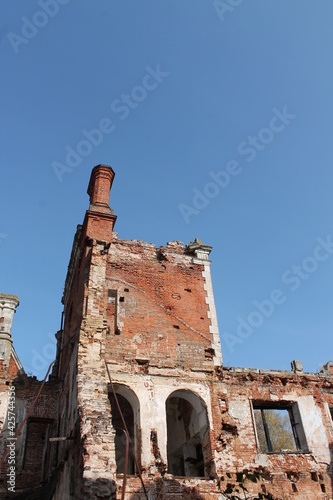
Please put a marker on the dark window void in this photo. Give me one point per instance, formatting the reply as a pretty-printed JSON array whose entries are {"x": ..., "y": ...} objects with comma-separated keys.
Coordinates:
[
  {"x": 187, "y": 435},
  {"x": 112, "y": 310},
  {"x": 36, "y": 458},
  {"x": 129, "y": 407},
  {"x": 279, "y": 429}
]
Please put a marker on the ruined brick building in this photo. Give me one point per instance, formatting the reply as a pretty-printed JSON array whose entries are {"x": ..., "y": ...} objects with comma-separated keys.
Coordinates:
[{"x": 140, "y": 345}]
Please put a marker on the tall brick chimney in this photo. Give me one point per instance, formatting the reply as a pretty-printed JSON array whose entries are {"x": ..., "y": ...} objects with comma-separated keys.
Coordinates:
[
  {"x": 99, "y": 188},
  {"x": 8, "y": 305},
  {"x": 99, "y": 221}
]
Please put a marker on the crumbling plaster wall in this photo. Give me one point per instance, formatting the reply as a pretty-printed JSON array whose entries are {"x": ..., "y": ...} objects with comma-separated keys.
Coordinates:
[
  {"x": 153, "y": 365},
  {"x": 44, "y": 415},
  {"x": 153, "y": 392},
  {"x": 69, "y": 452},
  {"x": 154, "y": 302},
  {"x": 95, "y": 429},
  {"x": 312, "y": 419},
  {"x": 165, "y": 338},
  {"x": 304, "y": 474}
]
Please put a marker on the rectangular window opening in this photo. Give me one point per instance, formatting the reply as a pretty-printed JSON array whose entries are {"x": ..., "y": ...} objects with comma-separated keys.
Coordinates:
[
  {"x": 112, "y": 310},
  {"x": 278, "y": 428}
]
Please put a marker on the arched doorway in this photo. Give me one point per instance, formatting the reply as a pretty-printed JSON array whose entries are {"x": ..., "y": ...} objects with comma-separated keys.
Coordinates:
[
  {"x": 130, "y": 408},
  {"x": 188, "y": 444}
]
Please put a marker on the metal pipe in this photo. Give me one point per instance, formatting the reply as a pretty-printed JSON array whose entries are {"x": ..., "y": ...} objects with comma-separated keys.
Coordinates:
[{"x": 125, "y": 468}]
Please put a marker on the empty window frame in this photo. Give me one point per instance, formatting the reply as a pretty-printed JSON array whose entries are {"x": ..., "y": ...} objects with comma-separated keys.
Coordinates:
[
  {"x": 278, "y": 428},
  {"x": 188, "y": 443},
  {"x": 130, "y": 408}
]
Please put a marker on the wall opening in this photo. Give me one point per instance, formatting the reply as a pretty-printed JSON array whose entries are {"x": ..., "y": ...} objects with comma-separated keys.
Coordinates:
[
  {"x": 188, "y": 440},
  {"x": 112, "y": 311},
  {"x": 279, "y": 428},
  {"x": 129, "y": 405},
  {"x": 36, "y": 459}
]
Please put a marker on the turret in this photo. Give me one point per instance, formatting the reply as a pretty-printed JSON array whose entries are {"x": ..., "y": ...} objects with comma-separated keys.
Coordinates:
[{"x": 8, "y": 305}]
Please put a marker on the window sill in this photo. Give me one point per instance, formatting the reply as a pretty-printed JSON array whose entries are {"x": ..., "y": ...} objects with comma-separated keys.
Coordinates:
[
  {"x": 285, "y": 452},
  {"x": 168, "y": 475}
]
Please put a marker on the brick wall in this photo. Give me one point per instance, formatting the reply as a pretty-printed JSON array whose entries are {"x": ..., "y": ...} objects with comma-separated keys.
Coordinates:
[
  {"x": 148, "y": 314},
  {"x": 162, "y": 312}
]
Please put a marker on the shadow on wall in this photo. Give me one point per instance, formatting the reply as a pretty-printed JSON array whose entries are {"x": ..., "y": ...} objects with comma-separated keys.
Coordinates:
[{"x": 103, "y": 489}]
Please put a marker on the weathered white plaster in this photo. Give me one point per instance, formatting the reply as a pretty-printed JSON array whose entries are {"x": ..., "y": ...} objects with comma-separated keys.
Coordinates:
[
  {"x": 201, "y": 257},
  {"x": 241, "y": 411},
  {"x": 152, "y": 393},
  {"x": 313, "y": 428},
  {"x": 262, "y": 460},
  {"x": 291, "y": 396},
  {"x": 8, "y": 305}
]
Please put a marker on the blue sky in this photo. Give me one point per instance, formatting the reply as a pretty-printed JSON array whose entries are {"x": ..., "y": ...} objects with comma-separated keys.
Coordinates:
[{"x": 227, "y": 140}]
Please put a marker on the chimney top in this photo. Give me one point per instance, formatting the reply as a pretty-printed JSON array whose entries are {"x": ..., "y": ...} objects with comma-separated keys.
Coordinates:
[{"x": 100, "y": 183}]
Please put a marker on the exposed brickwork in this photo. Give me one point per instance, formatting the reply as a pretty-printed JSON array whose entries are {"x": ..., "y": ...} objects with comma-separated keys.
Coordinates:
[
  {"x": 34, "y": 456},
  {"x": 161, "y": 307},
  {"x": 148, "y": 314},
  {"x": 237, "y": 444},
  {"x": 13, "y": 369}
]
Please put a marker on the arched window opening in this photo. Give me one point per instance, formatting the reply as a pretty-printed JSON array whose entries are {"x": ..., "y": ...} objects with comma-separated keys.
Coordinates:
[
  {"x": 188, "y": 445},
  {"x": 129, "y": 406}
]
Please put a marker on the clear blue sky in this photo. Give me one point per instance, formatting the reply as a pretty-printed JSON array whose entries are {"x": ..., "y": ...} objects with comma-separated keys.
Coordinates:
[{"x": 188, "y": 88}]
